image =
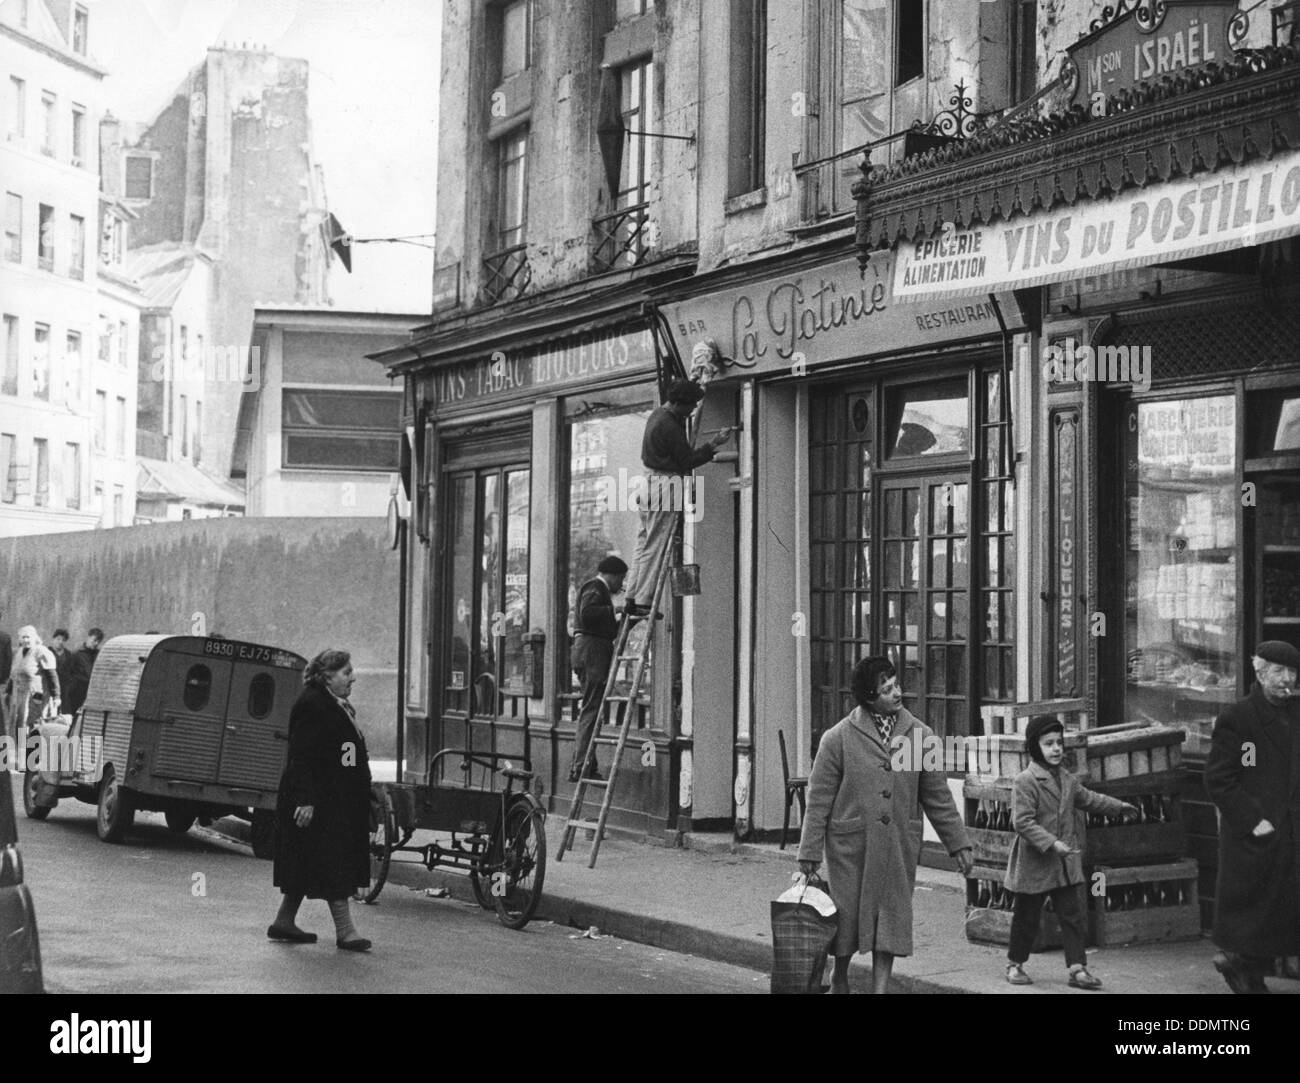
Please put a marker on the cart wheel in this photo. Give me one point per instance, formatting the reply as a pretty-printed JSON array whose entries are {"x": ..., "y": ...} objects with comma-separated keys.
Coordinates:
[
  {"x": 262, "y": 834},
  {"x": 523, "y": 865},
  {"x": 381, "y": 853},
  {"x": 179, "y": 820},
  {"x": 116, "y": 809},
  {"x": 33, "y": 810}
]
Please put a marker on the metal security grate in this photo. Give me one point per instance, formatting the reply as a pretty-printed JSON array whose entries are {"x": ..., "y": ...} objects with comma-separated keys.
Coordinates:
[{"x": 1243, "y": 337}]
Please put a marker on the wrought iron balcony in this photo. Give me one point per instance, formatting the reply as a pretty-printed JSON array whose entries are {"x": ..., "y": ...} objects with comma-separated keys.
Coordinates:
[
  {"x": 506, "y": 274},
  {"x": 623, "y": 238}
]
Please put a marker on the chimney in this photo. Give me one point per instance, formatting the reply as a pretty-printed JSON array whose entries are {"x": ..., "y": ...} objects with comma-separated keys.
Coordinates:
[{"x": 110, "y": 155}]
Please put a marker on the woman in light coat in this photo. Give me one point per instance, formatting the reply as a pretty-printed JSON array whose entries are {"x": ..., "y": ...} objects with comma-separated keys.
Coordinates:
[
  {"x": 33, "y": 672},
  {"x": 865, "y": 817}
]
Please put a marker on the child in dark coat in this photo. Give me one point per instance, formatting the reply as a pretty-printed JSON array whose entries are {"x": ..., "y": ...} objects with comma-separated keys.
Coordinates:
[{"x": 1046, "y": 857}]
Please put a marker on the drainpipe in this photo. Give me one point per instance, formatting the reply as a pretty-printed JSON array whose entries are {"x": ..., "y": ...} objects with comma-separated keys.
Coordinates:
[{"x": 746, "y": 572}]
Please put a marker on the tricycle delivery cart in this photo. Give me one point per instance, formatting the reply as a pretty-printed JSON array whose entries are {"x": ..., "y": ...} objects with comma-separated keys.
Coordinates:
[{"x": 498, "y": 838}]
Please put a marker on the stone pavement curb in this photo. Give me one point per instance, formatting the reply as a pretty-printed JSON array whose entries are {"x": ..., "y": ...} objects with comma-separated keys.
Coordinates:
[{"x": 564, "y": 908}]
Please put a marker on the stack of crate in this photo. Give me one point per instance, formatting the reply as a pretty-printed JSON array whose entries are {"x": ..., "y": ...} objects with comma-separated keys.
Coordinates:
[{"x": 1139, "y": 888}]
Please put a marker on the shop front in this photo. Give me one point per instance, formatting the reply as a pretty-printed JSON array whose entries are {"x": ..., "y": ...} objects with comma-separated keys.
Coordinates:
[
  {"x": 1156, "y": 225},
  {"x": 522, "y": 439},
  {"x": 875, "y": 500}
]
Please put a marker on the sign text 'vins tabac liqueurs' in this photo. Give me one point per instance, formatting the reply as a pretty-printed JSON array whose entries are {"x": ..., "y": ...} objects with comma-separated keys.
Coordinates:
[
  {"x": 1234, "y": 208},
  {"x": 580, "y": 359}
]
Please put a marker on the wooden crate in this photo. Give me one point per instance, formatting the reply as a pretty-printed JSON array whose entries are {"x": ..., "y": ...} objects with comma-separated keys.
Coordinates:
[
  {"x": 990, "y": 925},
  {"x": 1014, "y": 717},
  {"x": 1140, "y": 843},
  {"x": 1118, "y": 844},
  {"x": 1004, "y": 755},
  {"x": 1146, "y": 924},
  {"x": 1133, "y": 748}
]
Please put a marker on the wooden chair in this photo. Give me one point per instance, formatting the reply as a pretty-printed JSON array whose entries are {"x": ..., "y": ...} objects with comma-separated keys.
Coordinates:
[{"x": 794, "y": 787}]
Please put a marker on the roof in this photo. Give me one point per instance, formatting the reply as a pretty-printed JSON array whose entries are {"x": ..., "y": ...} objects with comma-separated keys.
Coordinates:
[
  {"x": 161, "y": 270},
  {"x": 185, "y": 481}
]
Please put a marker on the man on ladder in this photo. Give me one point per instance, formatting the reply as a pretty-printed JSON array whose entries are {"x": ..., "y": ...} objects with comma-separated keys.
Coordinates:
[
  {"x": 669, "y": 461},
  {"x": 593, "y": 652}
]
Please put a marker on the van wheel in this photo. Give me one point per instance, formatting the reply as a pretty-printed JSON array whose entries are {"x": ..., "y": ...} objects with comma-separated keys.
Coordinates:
[
  {"x": 179, "y": 820},
  {"x": 33, "y": 810},
  {"x": 116, "y": 809}
]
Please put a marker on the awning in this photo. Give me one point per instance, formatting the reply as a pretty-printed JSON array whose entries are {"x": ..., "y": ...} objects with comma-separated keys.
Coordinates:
[{"x": 1206, "y": 161}]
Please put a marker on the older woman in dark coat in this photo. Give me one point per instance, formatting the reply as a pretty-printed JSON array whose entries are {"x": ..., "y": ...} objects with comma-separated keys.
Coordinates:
[{"x": 323, "y": 813}]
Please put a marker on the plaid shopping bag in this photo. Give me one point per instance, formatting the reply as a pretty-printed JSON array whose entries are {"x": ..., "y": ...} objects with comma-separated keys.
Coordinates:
[{"x": 804, "y": 923}]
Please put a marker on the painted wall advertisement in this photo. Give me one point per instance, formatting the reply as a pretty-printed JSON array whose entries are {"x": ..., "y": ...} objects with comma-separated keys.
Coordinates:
[{"x": 1234, "y": 208}]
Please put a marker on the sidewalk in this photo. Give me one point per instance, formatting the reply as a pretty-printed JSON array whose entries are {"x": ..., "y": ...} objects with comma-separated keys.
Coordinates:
[{"x": 711, "y": 899}]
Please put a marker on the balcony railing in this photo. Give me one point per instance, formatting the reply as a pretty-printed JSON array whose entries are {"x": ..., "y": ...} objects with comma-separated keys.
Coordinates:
[
  {"x": 506, "y": 274},
  {"x": 623, "y": 238}
]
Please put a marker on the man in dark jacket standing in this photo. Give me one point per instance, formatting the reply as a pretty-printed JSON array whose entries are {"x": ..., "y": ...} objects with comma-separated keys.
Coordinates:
[
  {"x": 6, "y": 664},
  {"x": 596, "y": 628},
  {"x": 79, "y": 670},
  {"x": 1253, "y": 777},
  {"x": 668, "y": 459}
]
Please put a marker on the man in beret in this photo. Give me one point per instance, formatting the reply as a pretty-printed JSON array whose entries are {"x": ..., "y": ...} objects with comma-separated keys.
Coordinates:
[
  {"x": 1253, "y": 777},
  {"x": 596, "y": 628},
  {"x": 666, "y": 454}
]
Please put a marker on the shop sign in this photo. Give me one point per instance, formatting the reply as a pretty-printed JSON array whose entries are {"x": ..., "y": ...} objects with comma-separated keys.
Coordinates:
[
  {"x": 1198, "y": 435},
  {"x": 1139, "y": 47},
  {"x": 825, "y": 313},
  {"x": 1234, "y": 208},
  {"x": 1065, "y": 470},
  {"x": 572, "y": 362}
]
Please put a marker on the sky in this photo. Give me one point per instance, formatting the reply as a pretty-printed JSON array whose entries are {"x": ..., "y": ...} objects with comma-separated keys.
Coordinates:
[{"x": 373, "y": 87}]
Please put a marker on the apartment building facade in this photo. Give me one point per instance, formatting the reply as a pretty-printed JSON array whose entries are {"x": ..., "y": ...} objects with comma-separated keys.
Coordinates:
[{"x": 66, "y": 420}]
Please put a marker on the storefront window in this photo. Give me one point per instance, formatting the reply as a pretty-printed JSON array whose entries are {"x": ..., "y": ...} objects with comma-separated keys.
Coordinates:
[
  {"x": 1181, "y": 559},
  {"x": 932, "y": 419},
  {"x": 604, "y": 468},
  {"x": 515, "y": 607}
]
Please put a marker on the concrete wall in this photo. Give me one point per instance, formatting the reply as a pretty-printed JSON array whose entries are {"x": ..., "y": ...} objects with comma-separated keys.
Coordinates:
[{"x": 302, "y": 584}]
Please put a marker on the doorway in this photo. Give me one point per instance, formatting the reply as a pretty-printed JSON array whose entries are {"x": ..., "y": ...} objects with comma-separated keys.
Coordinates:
[{"x": 484, "y": 618}]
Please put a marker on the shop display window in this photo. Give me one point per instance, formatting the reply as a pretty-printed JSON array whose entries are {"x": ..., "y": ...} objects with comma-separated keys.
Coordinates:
[
  {"x": 1181, "y": 554},
  {"x": 604, "y": 472}
]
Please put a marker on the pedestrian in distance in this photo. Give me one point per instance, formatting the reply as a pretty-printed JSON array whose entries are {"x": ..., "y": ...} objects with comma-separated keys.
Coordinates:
[
  {"x": 865, "y": 818},
  {"x": 1252, "y": 775},
  {"x": 1046, "y": 857},
  {"x": 322, "y": 842},
  {"x": 62, "y": 656},
  {"x": 669, "y": 461},
  {"x": 6, "y": 663},
  {"x": 593, "y": 654},
  {"x": 33, "y": 686},
  {"x": 79, "y": 671}
]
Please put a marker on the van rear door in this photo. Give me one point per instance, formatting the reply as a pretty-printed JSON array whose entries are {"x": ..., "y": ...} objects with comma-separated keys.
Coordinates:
[
  {"x": 195, "y": 694},
  {"x": 257, "y": 726}
]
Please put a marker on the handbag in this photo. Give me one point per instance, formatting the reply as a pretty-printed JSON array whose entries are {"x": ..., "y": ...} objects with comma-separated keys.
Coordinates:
[{"x": 804, "y": 924}]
